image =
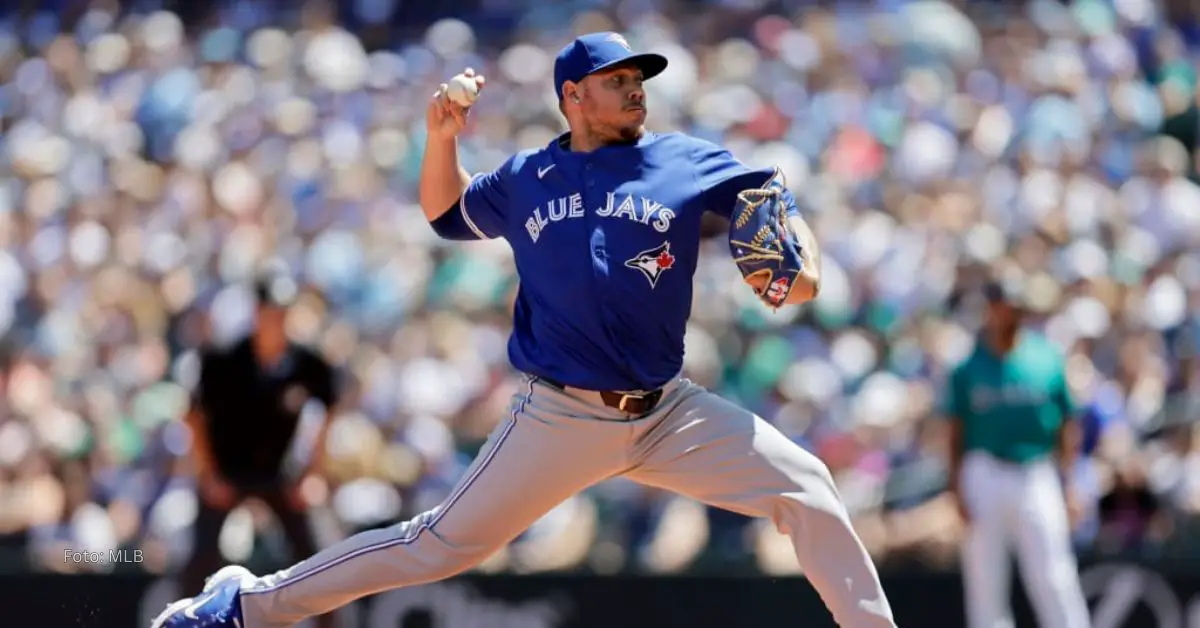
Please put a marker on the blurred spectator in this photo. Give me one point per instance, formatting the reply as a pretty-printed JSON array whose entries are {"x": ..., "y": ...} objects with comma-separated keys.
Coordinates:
[{"x": 1132, "y": 517}]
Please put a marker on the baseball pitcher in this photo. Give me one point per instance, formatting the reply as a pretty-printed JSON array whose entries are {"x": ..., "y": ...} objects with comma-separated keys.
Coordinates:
[
  {"x": 604, "y": 225},
  {"x": 1012, "y": 451}
]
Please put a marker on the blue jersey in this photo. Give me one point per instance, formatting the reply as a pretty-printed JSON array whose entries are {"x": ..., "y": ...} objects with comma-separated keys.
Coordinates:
[{"x": 605, "y": 245}]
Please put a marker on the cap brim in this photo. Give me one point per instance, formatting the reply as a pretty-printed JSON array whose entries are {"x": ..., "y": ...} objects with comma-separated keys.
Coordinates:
[{"x": 651, "y": 64}]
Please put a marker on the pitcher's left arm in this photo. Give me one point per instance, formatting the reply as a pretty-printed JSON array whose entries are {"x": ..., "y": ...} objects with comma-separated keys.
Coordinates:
[
  {"x": 773, "y": 246},
  {"x": 809, "y": 282}
]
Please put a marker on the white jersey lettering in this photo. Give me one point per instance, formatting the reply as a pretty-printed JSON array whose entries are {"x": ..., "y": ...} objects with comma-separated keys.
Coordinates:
[
  {"x": 639, "y": 209},
  {"x": 557, "y": 209}
]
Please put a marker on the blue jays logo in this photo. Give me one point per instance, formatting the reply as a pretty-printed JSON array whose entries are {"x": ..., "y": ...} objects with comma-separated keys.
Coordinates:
[{"x": 653, "y": 263}]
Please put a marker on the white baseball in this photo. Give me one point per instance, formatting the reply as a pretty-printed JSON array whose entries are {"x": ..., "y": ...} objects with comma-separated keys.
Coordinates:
[{"x": 462, "y": 90}]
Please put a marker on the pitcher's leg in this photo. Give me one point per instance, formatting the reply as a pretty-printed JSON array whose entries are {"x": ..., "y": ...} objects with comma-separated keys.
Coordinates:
[
  {"x": 716, "y": 452},
  {"x": 531, "y": 463},
  {"x": 1048, "y": 566}
]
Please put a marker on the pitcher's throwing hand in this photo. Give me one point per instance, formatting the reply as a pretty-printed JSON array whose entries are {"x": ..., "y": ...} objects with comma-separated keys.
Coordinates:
[{"x": 445, "y": 118}]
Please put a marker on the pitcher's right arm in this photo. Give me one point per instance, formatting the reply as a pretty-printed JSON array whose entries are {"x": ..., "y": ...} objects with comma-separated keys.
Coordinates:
[
  {"x": 443, "y": 179},
  {"x": 457, "y": 205}
]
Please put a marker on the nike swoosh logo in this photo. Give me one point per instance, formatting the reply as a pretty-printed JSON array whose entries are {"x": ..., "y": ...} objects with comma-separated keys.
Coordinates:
[
  {"x": 190, "y": 612},
  {"x": 542, "y": 171}
]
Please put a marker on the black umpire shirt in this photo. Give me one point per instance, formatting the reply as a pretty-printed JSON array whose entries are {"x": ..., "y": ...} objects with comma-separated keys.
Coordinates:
[{"x": 252, "y": 411}]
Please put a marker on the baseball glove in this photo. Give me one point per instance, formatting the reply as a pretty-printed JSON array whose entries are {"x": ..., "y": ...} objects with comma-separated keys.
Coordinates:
[{"x": 762, "y": 241}]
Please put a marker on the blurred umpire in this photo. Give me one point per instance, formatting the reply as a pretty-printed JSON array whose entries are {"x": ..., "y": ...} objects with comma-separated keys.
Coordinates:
[
  {"x": 244, "y": 414},
  {"x": 1014, "y": 439}
]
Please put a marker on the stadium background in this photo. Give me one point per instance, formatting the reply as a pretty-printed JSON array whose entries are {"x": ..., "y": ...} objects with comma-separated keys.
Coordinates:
[{"x": 151, "y": 159}]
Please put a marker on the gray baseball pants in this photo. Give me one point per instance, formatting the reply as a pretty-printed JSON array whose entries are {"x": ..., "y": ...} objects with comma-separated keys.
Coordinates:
[{"x": 554, "y": 444}]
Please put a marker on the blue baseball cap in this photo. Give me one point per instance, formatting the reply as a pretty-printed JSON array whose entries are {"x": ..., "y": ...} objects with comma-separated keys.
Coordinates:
[{"x": 594, "y": 52}]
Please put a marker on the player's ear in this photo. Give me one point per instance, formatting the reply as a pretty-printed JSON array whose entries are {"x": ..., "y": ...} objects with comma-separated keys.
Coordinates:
[{"x": 571, "y": 92}]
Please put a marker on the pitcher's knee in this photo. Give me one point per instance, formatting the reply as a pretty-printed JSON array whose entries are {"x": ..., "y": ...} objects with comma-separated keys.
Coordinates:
[
  {"x": 809, "y": 491},
  {"x": 433, "y": 555},
  {"x": 813, "y": 484},
  {"x": 443, "y": 561}
]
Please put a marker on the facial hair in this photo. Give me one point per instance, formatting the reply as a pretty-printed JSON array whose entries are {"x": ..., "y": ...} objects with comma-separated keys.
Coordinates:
[{"x": 630, "y": 134}]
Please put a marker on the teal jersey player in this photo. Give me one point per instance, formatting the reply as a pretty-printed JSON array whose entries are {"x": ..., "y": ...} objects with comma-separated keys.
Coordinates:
[
  {"x": 1012, "y": 406},
  {"x": 1013, "y": 435}
]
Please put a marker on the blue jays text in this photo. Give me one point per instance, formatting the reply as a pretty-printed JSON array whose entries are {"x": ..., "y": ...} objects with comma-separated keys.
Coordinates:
[{"x": 641, "y": 210}]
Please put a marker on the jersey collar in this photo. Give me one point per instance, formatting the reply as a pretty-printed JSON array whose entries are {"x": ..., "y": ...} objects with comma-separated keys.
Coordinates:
[{"x": 560, "y": 146}]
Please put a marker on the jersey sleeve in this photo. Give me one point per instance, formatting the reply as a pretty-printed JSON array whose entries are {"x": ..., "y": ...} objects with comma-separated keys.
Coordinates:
[
  {"x": 722, "y": 177},
  {"x": 481, "y": 211},
  {"x": 484, "y": 204}
]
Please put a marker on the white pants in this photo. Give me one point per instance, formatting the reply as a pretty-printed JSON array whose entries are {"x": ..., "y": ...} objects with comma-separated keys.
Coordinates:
[
  {"x": 1022, "y": 506},
  {"x": 557, "y": 443}
]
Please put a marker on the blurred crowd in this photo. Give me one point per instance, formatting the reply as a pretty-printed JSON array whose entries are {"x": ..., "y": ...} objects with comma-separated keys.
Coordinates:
[{"x": 151, "y": 163}]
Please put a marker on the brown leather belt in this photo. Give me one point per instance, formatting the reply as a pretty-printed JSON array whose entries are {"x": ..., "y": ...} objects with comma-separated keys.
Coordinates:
[{"x": 636, "y": 405}]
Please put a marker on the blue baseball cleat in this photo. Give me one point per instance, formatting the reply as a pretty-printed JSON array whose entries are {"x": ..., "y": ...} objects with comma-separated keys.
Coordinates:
[{"x": 218, "y": 606}]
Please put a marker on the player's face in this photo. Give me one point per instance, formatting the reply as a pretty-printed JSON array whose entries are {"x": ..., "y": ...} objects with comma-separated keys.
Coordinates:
[
  {"x": 270, "y": 328},
  {"x": 614, "y": 102},
  {"x": 1004, "y": 316}
]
